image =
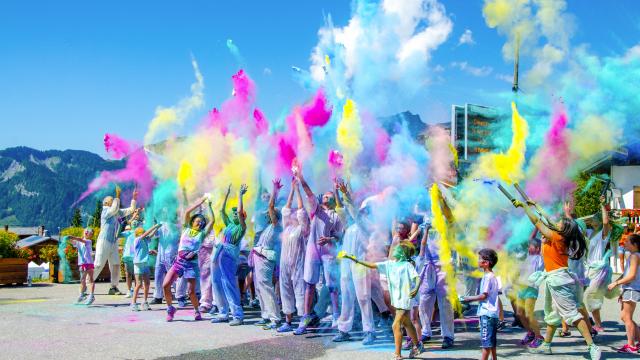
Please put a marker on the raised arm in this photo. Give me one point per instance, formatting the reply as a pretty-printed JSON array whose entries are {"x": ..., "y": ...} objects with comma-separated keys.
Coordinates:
[
  {"x": 223, "y": 210},
  {"x": 212, "y": 218},
  {"x": 336, "y": 193},
  {"x": 304, "y": 184},
  {"x": 363, "y": 263},
  {"x": 241, "y": 192},
  {"x": 187, "y": 213},
  {"x": 273, "y": 215},
  {"x": 606, "y": 225},
  {"x": 423, "y": 242},
  {"x": 128, "y": 211},
  {"x": 152, "y": 230},
  {"x": 549, "y": 234},
  {"x": 291, "y": 192}
]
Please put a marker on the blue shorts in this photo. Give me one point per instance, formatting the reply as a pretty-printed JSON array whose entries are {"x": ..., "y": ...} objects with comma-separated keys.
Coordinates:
[
  {"x": 187, "y": 269},
  {"x": 528, "y": 293},
  {"x": 141, "y": 269},
  {"x": 488, "y": 332},
  {"x": 128, "y": 267}
]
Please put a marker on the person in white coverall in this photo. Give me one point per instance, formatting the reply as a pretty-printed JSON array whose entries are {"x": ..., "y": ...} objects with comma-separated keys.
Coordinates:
[
  {"x": 355, "y": 284},
  {"x": 265, "y": 257},
  {"x": 294, "y": 237},
  {"x": 107, "y": 243}
]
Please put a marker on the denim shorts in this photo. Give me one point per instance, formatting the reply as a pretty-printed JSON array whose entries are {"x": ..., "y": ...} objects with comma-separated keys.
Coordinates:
[
  {"x": 630, "y": 295},
  {"x": 488, "y": 331}
]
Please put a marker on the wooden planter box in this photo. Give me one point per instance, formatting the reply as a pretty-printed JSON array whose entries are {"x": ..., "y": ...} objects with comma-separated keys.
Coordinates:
[
  {"x": 56, "y": 276},
  {"x": 14, "y": 271}
]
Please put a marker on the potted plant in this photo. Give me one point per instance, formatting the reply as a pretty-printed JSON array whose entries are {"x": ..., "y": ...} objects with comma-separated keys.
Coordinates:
[{"x": 14, "y": 263}]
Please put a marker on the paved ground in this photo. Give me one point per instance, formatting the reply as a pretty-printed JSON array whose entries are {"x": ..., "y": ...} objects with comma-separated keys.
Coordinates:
[{"x": 40, "y": 322}]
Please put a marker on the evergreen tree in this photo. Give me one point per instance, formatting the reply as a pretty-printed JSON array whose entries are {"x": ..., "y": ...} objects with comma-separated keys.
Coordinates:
[
  {"x": 95, "y": 221},
  {"x": 76, "y": 219}
]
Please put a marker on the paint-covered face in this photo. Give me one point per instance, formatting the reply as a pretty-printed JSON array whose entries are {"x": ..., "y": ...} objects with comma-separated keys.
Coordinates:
[
  {"x": 235, "y": 217},
  {"x": 88, "y": 233},
  {"x": 265, "y": 196},
  {"x": 108, "y": 201},
  {"x": 328, "y": 200}
]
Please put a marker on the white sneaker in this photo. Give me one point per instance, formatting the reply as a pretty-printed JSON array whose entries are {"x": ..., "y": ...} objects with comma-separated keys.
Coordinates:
[
  {"x": 145, "y": 306},
  {"x": 135, "y": 307},
  {"x": 129, "y": 294},
  {"x": 595, "y": 352},
  {"x": 90, "y": 300},
  {"x": 81, "y": 298}
]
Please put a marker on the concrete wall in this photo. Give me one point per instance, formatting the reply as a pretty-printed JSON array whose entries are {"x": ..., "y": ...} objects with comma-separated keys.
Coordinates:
[{"x": 625, "y": 178}]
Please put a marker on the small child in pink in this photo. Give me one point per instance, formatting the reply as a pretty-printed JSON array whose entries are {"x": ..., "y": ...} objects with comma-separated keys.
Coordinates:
[{"x": 85, "y": 264}]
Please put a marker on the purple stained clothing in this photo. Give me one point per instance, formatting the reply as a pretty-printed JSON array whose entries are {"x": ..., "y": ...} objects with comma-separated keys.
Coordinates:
[
  {"x": 323, "y": 223},
  {"x": 84, "y": 251}
]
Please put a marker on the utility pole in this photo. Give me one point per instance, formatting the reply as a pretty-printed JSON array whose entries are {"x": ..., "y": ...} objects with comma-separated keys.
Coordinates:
[{"x": 516, "y": 63}]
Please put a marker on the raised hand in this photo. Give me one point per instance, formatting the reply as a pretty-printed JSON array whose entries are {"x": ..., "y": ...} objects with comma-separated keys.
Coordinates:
[
  {"x": 531, "y": 203},
  {"x": 243, "y": 189},
  {"x": 517, "y": 203},
  {"x": 135, "y": 193},
  {"x": 277, "y": 184},
  {"x": 118, "y": 191}
]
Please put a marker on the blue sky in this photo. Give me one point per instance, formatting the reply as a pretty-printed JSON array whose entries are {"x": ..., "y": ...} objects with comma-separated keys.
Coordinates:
[{"x": 71, "y": 71}]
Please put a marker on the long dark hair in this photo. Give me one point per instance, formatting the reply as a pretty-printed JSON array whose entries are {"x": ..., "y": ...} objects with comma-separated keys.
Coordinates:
[{"x": 573, "y": 238}]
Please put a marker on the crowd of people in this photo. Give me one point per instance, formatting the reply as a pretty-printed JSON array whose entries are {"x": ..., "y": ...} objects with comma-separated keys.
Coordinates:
[{"x": 328, "y": 257}]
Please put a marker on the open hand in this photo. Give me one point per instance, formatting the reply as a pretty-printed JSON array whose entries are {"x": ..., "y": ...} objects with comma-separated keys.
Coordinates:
[
  {"x": 153, "y": 252},
  {"x": 135, "y": 193},
  {"x": 243, "y": 189},
  {"x": 413, "y": 293},
  {"x": 118, "y": 191},
  {"x": 323, "y": 240},
  {"x": 612, "y": 286},
  {"x": 517, "y": 203},
  {"x": 277, "y": 184},
  {"x": 531, "y": 203}
]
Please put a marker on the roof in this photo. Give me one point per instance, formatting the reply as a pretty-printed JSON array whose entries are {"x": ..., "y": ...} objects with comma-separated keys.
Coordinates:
[
  {"x": 34, "y": 240},
  {"x": 24, "y": 230}
]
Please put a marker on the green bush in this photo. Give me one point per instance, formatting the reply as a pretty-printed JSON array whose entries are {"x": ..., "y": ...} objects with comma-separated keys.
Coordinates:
[{"x": 8, "y": 248}]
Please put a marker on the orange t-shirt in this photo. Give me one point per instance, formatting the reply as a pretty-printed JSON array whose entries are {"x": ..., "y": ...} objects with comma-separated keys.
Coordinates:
[{"x": 554, "y": 255}]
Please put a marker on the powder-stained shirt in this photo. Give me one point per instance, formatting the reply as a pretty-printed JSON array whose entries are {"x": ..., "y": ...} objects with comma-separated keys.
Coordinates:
[
  {"x": 324, "y": 222},
  {"x": 191, "y": 240},
  {"x": 402, "y": 276},
  {"x": 489, "y": 285},
  {"x": 141, "y": 246},
  {"x": 296, "y": 227},
  {"x": 84, "y": 251}
]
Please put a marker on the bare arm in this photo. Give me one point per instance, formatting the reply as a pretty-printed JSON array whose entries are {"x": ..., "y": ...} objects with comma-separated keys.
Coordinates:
[
  {"x": 423, "y": 242},
  {"x": 479, "y": 297},
  {"x": 212, "y": 218},
  {"x": 549, "y": 234},
  {"x": 290, "y": 196},
  {"x": 241, "y": 192},
  {"x": 363, "y": 263},
  {"x": 132, "y": 208},
  {"x": 272, "y": 201},
  {"x": 606, "y": 226},
  {"x": 187, "y": 213},
  {"x": 631, "y": 274},
  {"x": 336, "y": 193}
]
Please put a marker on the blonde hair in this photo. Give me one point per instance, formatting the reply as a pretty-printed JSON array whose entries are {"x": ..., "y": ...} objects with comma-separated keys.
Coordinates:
[{"x": 139, "y": 231}]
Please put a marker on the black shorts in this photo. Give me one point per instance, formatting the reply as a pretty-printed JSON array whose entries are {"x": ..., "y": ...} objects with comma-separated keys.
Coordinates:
[{"x": 488, "y": 332}]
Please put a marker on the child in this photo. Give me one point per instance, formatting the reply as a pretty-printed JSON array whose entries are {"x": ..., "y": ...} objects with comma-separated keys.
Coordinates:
[
  {"x": 85, "y": 264},
  {"x": 140, "y": 265},
  {"x": 528, "y": 294},
  {"x": 402, "y": 276},
  {"x": 488, "y": 306},
  {"x": 630, "y": 281},
  {"x": 127, "y": 256}
]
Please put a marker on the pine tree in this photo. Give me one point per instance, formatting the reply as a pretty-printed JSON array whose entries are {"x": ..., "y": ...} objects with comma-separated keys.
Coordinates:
[
  {"x": 95, "y": 221},
  {"x": 76, "y": 220}
]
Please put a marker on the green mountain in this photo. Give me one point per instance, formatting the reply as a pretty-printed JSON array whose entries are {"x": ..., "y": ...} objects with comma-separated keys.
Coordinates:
[{"x": 39, "y": 187}]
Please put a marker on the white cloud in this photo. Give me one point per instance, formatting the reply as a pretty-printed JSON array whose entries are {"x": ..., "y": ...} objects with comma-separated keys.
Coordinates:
[
  {"x": 438, "y": 68},
  {"x": 466, "y": 38},
  {"x": 475, "y": 71},
  {"x": 384, "y": 49},
  {"x": 266, "y": 71},
  {"x": 632, "y": 53},
  {"x": 505, "y": 77}
]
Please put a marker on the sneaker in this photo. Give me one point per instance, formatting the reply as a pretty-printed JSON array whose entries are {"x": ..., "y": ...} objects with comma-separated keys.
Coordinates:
[
  {"x": 262, "y": 322},
  {"x": 516, "y": 323},
  {"x": 536, "y": 342},
  {"x": 214, "y": 310},
  {"x": 129, "y": 294},
  {"x": 425, "y": 338},
  {"x": 544, "y": 348},
  {"x": 197, "y": 316},
  {"x": 314, "y": 321},
  {"x": 530, "y": 336},
  {"x": 302, "y": 327},
  {"x": 334, "y": 321},
  {"x": 598, "y": 328},
  {"x": 90, "y": 300},
  {"x": 182, "y": 302},
  {"x": 81, "y": 298},
  {"x": 255, "y": 303},
  {"x": 627, "y": 349},
  {"x": 204, "y": 309},
  {"x": 369, "y": 338},
  {"x": 286, "y": 327},
  {"x": 220, "y": 319},
  {"x": 562, "y": 333},
  {"x": 145, "y": 306},
  {"x": 594, "y": 332},
  {"x": 272, "y": 325},
  {"x": 408, "y": 344},
  {"x": 416, "y": 350},
  {"x": 447, "y": 343},
  {"x": 156, "y": 301},
  {"x": 135, "y": 307},
  {"x": 236, "y": 322},
  {"x": 595, "y": 352},
  {"x": 171, "y": 310},
  {"x": 341, "y": 336},
  {"x": 114, "y": 291}
]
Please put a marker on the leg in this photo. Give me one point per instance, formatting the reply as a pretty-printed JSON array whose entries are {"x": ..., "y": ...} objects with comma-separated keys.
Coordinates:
[
  {"x": 83, "y": 282},
  {"x": 166, "y": 285},
  {"x": 362, "y": 287},
  {"x": 427, "y": 301},
  {"x": 89, "y": 279},
  {"x": 228, "y": 267},
  {"x": 146, "y": 283},
  {"x": 345, "y": 321},
  {"x": 628, "y": 307},
  {"x": 596, "y": 318},
  {"x": 114, "y": 265},
  {"x": 397, "y": 331},
  {"x": 408, "y": 325},
  {"x": 102, "y": 248},
  {"x": 218, "y": 291},
  {"x": 159, "y": 273},
  {"x": 530, "y": 317},
  {"x": 192, "y": 293},
  {"x": 136, "y": 290}
]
